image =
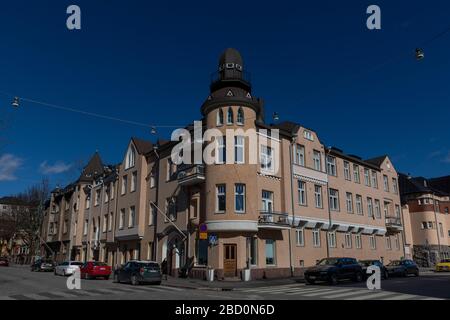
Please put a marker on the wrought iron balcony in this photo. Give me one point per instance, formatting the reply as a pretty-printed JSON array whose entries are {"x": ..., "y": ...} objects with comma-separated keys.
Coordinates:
[
  {"x": 191, "y": 175},
  {"x": 273, "y": 220},
  {"x": 394, "y": 223}
]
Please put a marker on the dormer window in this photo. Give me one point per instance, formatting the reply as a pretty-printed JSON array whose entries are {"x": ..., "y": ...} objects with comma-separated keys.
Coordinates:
[
  {"x": 308, "y": 135},
  {"x": 130, "y": 160},
  {"x": 240, "y": 116},
  {"x": 219, "y": 117},
  {"x": 230, "y": 116}
]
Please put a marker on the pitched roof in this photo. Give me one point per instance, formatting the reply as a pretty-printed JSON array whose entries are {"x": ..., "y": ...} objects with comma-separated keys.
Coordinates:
[
  {"x": 93, "y": 168},
  {"x": 378, "y": 161},
  {"x": 142, "y": 146},
  {"x": 442, "y": 184},
  {"x": 410, "y": 185}
]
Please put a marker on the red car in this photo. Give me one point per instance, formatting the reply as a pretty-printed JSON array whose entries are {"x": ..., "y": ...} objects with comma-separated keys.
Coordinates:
[
  {"x": 4, "y": 262},
  {"x": 94, "y": 269}
]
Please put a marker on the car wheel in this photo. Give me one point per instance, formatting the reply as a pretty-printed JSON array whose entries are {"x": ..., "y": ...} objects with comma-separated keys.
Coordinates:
[
  {"x": 54, "y": 272},
  {"x": 385, "y": 275},
  {"x": 107, "y": 278},
  {"x": 416, "y": 273},
  {"x": 116, "y": 278},
  {"x": 333, "y": 280},
  {"x": 158, "y": 283},
  {"x": 358, "y": 277},
  {"x": 309, "y": 281},
  {"x": 134, "y": 280}
]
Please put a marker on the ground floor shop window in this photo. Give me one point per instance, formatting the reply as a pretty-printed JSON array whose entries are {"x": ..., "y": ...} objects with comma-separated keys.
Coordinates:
[
  {"x": 270, "y": 252},
  {"x": 202, "y": 252}
]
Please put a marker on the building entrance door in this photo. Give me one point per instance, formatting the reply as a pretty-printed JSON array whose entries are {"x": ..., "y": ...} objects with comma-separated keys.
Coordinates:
[{"x": 230, "y": 261}]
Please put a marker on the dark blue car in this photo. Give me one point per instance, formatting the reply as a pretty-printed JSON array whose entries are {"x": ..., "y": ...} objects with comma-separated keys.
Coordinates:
[{"x": 332, "y": 270}]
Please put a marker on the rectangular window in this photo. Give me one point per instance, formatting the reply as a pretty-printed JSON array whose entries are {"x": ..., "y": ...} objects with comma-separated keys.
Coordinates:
[
  {"x": 152, "y": 215},
  {"x": 221, "y": 150},
  {"x": 110, "y": 221},
  {"x": 124, "y": 185},
  {"x": 152, "y": 180},
  {"x": 369, "y": 207},
  {"x": 318, "y": 196},
  {"x": 300, "y": 237},
  {"x": 267, "y": 201},
  {"x": 97, "y": 197},
  {"x": 397, "y": 211},
  {"x": 358, "y": 242},
  {"x": 367, "y": 177},
  {"x": 386, "y": 183},
  {"x": 388, "y": 243},
  {"x": 395, "y": 185},
  {"x": 373, "y": 242},
  {"x": 105, "y": 223},
  {"x": 316, "y": 238},
  {"x": 85, "y": 227},
  {"x": 332, "y": 239},
  {"x": 349, "y": 202},
  {"x": 359, "y": 205},
  {"x": 122, "y": 218},
  {"x": 302, "y": 193},
  {"x": 331, "y": 166},
  {"x": 88, "y": 201},
  {"x": 270, "y": 252},
  {"x": 220, "y": 198},
  {"x": 132, "y": 217},
  {"x": 334, "y": 200},
  {"x": 377, "y": 209},
  {"x": 348, "y": 240},
  {"x": 374, "y": 179},
  {"x": 239, "y": 149},
  {"x": 317, "y": 156},
  {"x": 441, "y": 229},
  {"x": 133, "y": 181},
  {"x": 397, "y": 242},
  {"x": 386, "y": 209},
  {"x": 308, "y": 135},
  {"x": 239, "y": 198},
  {"x": 356, "y": 176},
  {"x": 347, "y": 171},
  {"x": 266, "y": 158},
  {"x": 299, "y": 156}
]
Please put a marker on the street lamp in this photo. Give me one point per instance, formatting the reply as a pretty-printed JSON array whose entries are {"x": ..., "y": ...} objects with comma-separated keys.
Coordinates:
[{"x": 16, "y": 102}]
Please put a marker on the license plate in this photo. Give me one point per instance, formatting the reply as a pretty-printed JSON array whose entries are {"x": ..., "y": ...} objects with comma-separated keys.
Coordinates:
[{"x": 102, "y": 269}]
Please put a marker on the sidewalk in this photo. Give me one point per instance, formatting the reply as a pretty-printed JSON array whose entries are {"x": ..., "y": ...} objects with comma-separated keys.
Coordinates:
[{"x": 226, "y": 285}]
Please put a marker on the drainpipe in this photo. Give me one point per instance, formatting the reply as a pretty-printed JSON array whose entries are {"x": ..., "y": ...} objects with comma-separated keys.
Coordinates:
[
  {"x": 155, "y": 225},
  {"x": 327, "y": 153},
  {"x": 292, "y": 201},
  {"x": 402, "y": 221}
]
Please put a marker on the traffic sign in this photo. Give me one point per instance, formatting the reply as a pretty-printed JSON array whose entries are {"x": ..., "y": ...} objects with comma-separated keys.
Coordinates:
[
  {"x": 203, "y": 236},
  {"x": 203, "y": 227}
]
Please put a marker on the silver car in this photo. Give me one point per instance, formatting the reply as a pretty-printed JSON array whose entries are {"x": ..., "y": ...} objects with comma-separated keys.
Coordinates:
[{"x": 67, "y": 268}]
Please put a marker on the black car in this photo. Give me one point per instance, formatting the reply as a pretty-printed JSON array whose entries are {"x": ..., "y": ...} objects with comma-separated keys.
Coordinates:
[
  {"x": 43, "y": 265},
  {"x": 334, "y": 269},
  {"x": 367, "y": 263},
  {"x": 402, "y": 268},
  {"x": 136, "y": 272}
]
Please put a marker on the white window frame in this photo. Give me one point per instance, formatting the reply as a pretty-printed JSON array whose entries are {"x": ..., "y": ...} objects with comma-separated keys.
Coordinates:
[
  {"x": 318, "y": 198},
  {"x": 359, "y": 205},
  {"x": 239, "y": 145},
  {"x": 266, "y": 158},
  {"x": 221, "y": 150},
  {"x": 236, "y": 195},
  {"x": 331, "y": 166},
  {"x": 348, "y": 241},
  {"x": 316, "y": 238},
  {"x": 358, "y": 241},
  {"x": 133, "y": 184},
  {"x": 122, "y": 219},
  {"x": 220, "y": 192},
  {"x": 349, "y": 202},
  {"x": 347, "y": 174},
  {"x": 334, "y": 198},
  {"x": 332, "y": 243},
  {"x": 132, "y": 217},
  {"x": 301, "y": 189},
  {"x": 130, "y": 159},
  {"x": 299, "y": 155},
  {"x": 317, "y": 159},
  {"x": 356, "y": 174},
  {"x": 300, "y": 237}
]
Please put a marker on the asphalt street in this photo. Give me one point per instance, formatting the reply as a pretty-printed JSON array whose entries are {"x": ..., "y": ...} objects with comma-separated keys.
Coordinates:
[{"x": 19, "y": 283}]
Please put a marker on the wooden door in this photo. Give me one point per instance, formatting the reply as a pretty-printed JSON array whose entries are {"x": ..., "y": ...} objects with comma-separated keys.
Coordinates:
[{"x": 230, "y": 260}]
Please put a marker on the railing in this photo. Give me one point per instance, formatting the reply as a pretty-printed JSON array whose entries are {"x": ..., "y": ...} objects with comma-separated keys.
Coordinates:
[
  {"x": 271, "y": 218},
  {"x": 393, "y": 222},
  {"x": 191, "y": 174}
]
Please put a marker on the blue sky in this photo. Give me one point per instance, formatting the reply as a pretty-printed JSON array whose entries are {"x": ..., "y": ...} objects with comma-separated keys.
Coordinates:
[{"x": 314, "y": 62}]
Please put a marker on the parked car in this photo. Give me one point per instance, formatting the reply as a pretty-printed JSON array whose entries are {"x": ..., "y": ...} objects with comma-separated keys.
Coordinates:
[
  {"x": 67, "y": 268},
  {"x": 367, "y": 263},
  {"x": 94, "y": 269},
  {"x": 4, "y": 262},
  {"x": 136, "y": 272},
  {"x": 402, "y": 268},
  {"x": 444, "y": 265},
  {"x": 43, "y": 265},
  {"x": 334, "y": 269}
]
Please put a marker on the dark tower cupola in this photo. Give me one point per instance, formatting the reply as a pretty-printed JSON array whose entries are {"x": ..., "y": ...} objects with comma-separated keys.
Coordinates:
[{"x": 230, "y": 85}]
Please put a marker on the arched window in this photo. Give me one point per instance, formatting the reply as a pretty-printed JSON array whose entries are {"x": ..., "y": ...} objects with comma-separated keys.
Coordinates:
[
  {"x": 219, "y": 117},
  {"x": 131, "y": 158},
  {"x": 240, "y": 116},
  {"x": 230, "y": 116}
]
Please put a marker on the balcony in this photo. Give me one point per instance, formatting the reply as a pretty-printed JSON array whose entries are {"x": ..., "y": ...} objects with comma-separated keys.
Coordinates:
[
  {"x": 394, "y": 224},
  {"x": 273, "y": 220},
  {"x": 191, "y": 175}
]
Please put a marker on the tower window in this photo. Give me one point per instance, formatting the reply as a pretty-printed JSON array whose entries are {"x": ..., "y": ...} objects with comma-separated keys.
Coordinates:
[
  {"x": 240, "y": 116},
  {"x": 219, "y": 117},
  {"x": 230, "y": 116}
]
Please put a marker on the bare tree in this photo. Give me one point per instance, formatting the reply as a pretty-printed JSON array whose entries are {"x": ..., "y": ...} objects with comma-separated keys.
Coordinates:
[{"x": 29, "y": 217}]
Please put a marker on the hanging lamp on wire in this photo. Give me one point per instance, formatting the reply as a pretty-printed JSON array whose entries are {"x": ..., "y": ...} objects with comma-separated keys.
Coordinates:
[
  {"x": 419, "y": 54},
  {"x": 16, "y": 102}
]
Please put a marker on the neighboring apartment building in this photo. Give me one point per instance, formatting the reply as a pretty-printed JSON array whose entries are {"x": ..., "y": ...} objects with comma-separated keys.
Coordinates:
[
  {"x": 426, "y": 204},
  {"x": 274, "y": 216}
]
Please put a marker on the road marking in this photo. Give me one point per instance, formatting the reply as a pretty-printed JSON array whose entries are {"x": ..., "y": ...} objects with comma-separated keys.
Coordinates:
[
  {"x": 171, "y": 288},
  {"x": 306, "y": 291},
  {"x": 264, "y": 289},
  {"x": 374, "y": 296},
  {"x": 319, "y": 293},
  {"x": 342, "y": 295},
  {"x": 401, "y": 297}
]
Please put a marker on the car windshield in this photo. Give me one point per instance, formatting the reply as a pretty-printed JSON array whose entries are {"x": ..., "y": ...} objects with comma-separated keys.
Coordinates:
[
  {"x": 395, "y": 263},
  {"x": 366, "y": 263},
  {"x": 76, "y": 263},
  {"x": 328, "y": 261}
]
